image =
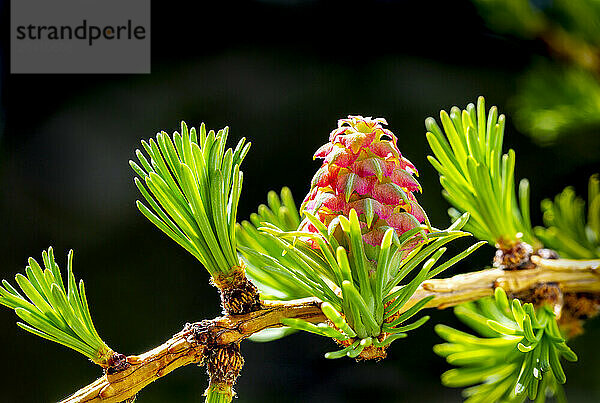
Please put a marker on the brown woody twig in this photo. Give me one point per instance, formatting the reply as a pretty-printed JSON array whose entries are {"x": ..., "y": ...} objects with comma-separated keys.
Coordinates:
[{"x": 190, "y": 345}]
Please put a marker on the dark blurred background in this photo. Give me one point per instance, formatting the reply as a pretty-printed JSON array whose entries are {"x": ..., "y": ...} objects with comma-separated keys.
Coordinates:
[{"x": 279, "y": 73}]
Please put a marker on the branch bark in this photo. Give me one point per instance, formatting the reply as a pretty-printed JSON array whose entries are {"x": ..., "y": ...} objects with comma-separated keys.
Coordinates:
[
  {"x": 570, "y": 275},
  {"x": 189, "y": 345}
]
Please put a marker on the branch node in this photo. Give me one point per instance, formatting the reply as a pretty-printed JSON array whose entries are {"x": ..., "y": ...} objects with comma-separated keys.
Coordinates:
[
  {"x": 514, "y": 257},
  {"x": 201, "y": 333},
  {"x": 223, "y": 365},
  {"x": 577, "y": 308},
  {"x": 543, "y": 293},
  {"x": 117, "y": 363},
  {"x": 238, "y": 294}
]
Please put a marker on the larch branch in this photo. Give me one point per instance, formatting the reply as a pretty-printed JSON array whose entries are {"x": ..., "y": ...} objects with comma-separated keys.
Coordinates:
[{"x": 187, "y": 347}]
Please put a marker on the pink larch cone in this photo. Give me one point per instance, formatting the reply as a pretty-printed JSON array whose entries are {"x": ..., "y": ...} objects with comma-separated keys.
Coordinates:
[{"x": 364, "y": 170}]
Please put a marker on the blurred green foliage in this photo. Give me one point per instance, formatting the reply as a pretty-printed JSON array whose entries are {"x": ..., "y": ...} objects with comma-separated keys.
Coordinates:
[
  {"x": 561, "y": 95},
  {"x": 554, "y": 100}
]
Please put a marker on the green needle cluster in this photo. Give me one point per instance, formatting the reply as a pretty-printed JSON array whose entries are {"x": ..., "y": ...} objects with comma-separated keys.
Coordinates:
[
  {"x": 193, "y": 185},
  {"x": 475, "y": 176},
  {"x": 55, "y": 312},
  {"x": 568, "y": 232},
  {"x": 517, "y": 356},
  {"x": 255, "y": 246},
  {"x": 359, "y": 295}
]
